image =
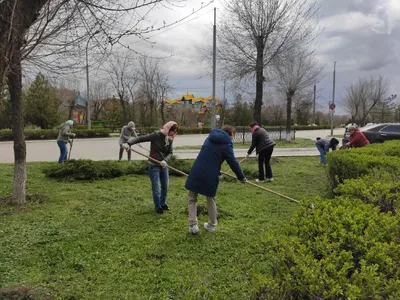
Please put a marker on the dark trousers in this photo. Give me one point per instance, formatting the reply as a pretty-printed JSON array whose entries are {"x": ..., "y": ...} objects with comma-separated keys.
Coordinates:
[
  {"x": 264, "y": 158},
  {"x": 121, "y": 151}
]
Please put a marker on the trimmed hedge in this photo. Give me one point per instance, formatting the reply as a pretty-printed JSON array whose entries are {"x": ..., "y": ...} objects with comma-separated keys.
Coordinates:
[
  {"x": 354, "y": 163},
  {"x": 85, "y": 169},
  {"x": 100, "y": 131},
  {"x": 344, "y": 248},
  {"x": 51, "y": 134},
  {"x": 341, "y": 249}
]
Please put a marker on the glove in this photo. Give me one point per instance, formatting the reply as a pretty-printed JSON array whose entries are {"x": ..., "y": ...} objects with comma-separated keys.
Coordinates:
[
  {"x": 126, "y": 146},
  {"x": 73, "y": 135},
  {"x": 163, "y": 163},
  {"x": 243, "y": 180}
]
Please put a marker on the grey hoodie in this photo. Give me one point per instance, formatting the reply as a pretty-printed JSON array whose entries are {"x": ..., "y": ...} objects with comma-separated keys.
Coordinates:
[
  {"x": 126, "y": 133},
  {"x": 65, "y": 132}
]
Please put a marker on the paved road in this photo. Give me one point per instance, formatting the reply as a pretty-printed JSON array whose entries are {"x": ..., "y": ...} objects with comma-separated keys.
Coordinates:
[{"x": 107, "y": 148}]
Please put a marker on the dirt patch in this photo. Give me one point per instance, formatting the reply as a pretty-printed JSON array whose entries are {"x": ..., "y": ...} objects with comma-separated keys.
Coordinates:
[{"x": 23, "y": 293}]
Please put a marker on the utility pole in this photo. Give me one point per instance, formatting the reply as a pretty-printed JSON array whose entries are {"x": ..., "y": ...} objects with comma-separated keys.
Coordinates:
[
  {"x": 333, "y": 106},
  {"x": 313, "y": 112},
  {"x": 213, "y": 120},
  {"x": 88, "y": 117}
]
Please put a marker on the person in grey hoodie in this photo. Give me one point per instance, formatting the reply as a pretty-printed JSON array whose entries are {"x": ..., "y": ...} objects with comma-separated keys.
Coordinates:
[
  {"x": 63, "y": 138},
  {"x": 323, "y": 146},
  {"x": 126, "y": 133}
]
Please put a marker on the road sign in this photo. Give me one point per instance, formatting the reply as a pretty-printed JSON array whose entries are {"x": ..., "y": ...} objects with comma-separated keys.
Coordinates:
[{"x": 332, "y": 106}]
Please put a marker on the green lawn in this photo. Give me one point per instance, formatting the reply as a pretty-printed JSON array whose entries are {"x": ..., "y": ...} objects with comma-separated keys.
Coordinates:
[
  {"x": 102, "y": 239},
  {"x": 297, "y": 143}
]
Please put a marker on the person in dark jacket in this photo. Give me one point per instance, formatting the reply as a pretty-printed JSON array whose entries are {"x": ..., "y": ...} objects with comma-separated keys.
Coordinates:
[
  {"x": 204, "y": 175},
  {"x": 63, "y": 139},
  {"x": 357, "y": 138},
  {"x": 126, "y": 133},
  {"x": 264, "y": 147},
  {"x": 323, "y": 146},
  {"x": 161, "y": 150}
]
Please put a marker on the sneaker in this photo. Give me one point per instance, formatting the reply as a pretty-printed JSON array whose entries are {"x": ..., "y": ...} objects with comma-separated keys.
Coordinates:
[
  {"x": 159, "y": 210},
  {"x": 270, "y": 179},
  {"x": 194, "y": 229},
  {"x": 209, "y": 227},
  {"x": 165, "y": 207},
  {"x": 259, "y": 181}
]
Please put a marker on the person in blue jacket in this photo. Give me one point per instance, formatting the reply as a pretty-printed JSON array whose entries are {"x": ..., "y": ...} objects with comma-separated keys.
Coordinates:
[
  {"x": 323, "y": 146},
  {"x": 204, "y": 175}
]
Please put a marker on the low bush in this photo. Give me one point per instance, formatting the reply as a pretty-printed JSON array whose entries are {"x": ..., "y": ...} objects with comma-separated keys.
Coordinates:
[
  {"x": 379, "y": 188},
  {"x": 52, "y": 134},
  {"x": 341, "y": 249},
  {"x": 355, "y": 163},
  {"x": 85, "y": 169}
]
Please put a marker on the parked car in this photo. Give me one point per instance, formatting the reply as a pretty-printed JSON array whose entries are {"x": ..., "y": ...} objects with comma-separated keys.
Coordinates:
[{"x": 377, "y": 133}]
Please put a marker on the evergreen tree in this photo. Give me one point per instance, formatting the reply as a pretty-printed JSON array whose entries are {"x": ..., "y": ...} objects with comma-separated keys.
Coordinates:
[{"x": 42, "y": 104}]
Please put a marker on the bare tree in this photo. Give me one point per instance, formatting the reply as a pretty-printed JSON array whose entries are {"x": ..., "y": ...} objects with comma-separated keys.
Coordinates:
[
  {"x": 100, "y": 93},
  {"x": 361, "y": 98},
  {"x": 254, "y": 32},
  {"x": 154, "y": 84},
  {"x": 293, "y": 72},
  {"x": 123, "y": 78},
  {"x": 45, "y": 31}
]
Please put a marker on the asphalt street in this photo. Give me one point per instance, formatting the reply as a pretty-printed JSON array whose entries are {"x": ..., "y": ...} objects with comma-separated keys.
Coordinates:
[{"x": 107, "y": 148}]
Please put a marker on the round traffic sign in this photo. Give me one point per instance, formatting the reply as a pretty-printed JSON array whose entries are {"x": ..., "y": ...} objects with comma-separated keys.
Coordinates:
[{"x": 332, "y": 106}]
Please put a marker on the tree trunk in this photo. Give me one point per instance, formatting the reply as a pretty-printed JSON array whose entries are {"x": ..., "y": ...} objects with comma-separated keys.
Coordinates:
[
  {"x": 289, "y": 96},
  {"x": 259, "y": 82},
  {"x": 162, "y": 112},
  {"x": 15, "y": 86}
]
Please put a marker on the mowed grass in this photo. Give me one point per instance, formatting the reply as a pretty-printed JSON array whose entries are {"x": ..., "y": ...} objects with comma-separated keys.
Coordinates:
[
  {"x": 102, "y": 239},
  {"x": 297, "y": 143}
]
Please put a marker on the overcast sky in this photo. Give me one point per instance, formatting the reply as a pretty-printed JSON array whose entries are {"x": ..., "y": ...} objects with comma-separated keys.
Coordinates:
[{"x": 363, "y": 36}]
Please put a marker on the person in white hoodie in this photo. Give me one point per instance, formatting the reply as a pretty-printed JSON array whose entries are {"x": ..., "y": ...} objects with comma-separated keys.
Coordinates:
[
  {"x": 63, "y": 138},
  {"x": 126, "y": 133}
]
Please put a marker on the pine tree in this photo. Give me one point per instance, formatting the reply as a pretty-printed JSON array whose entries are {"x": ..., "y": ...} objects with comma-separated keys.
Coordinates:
[{"x": 42, "y": 104}]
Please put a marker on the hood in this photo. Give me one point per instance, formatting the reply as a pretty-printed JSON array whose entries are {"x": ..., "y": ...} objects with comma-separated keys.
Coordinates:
[
  {"x": 65, "y": 124},
  {"x": 167, "y": 126},
  {"x": 254, "y": 128},
  {"x": 218, "y": 136}
]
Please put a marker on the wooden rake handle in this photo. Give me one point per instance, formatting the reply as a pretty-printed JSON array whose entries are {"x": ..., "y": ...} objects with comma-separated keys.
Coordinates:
[
  {"x": 158, "y": 162},
  {"x": 265, "y": 189}
]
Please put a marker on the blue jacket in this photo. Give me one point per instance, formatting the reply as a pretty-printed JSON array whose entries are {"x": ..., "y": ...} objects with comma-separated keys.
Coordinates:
[{"x": 203, "y": 177}]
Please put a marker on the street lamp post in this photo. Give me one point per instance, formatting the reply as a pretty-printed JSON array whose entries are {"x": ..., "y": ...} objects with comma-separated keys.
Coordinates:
[{"x": 89, "y": 123}]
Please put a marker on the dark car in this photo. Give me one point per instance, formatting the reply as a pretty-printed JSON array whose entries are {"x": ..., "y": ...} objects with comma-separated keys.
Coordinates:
[{"x": 377, "y": 133}]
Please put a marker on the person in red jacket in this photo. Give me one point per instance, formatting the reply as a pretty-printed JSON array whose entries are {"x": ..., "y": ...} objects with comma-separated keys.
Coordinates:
[{"x": 357, "y": 138}]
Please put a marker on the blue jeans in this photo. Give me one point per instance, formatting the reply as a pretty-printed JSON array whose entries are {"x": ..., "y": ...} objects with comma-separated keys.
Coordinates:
[
  {"x": 63, "y": 151},
  {"x": 322, "y": 153},
  {"x": 159, "y": 184}
]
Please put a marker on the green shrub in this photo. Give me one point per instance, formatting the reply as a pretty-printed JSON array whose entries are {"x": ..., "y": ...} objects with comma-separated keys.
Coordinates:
[
  {"x": 52, "y": 134},
  {"x": 379, "y": 188},
  {"x": 342, "y": 249},
  {"x": 358, "y": 162},
  {"x": 85, "y": 169}
]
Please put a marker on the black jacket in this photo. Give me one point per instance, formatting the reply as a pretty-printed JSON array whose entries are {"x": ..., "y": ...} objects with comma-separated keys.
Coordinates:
[
  {"x": 160, "y": 148},
  {"x": 261, "y": 141}
]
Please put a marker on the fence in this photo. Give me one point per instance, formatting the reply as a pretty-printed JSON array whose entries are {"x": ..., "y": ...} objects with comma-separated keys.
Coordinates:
[{"x": 243, "y": 134}]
